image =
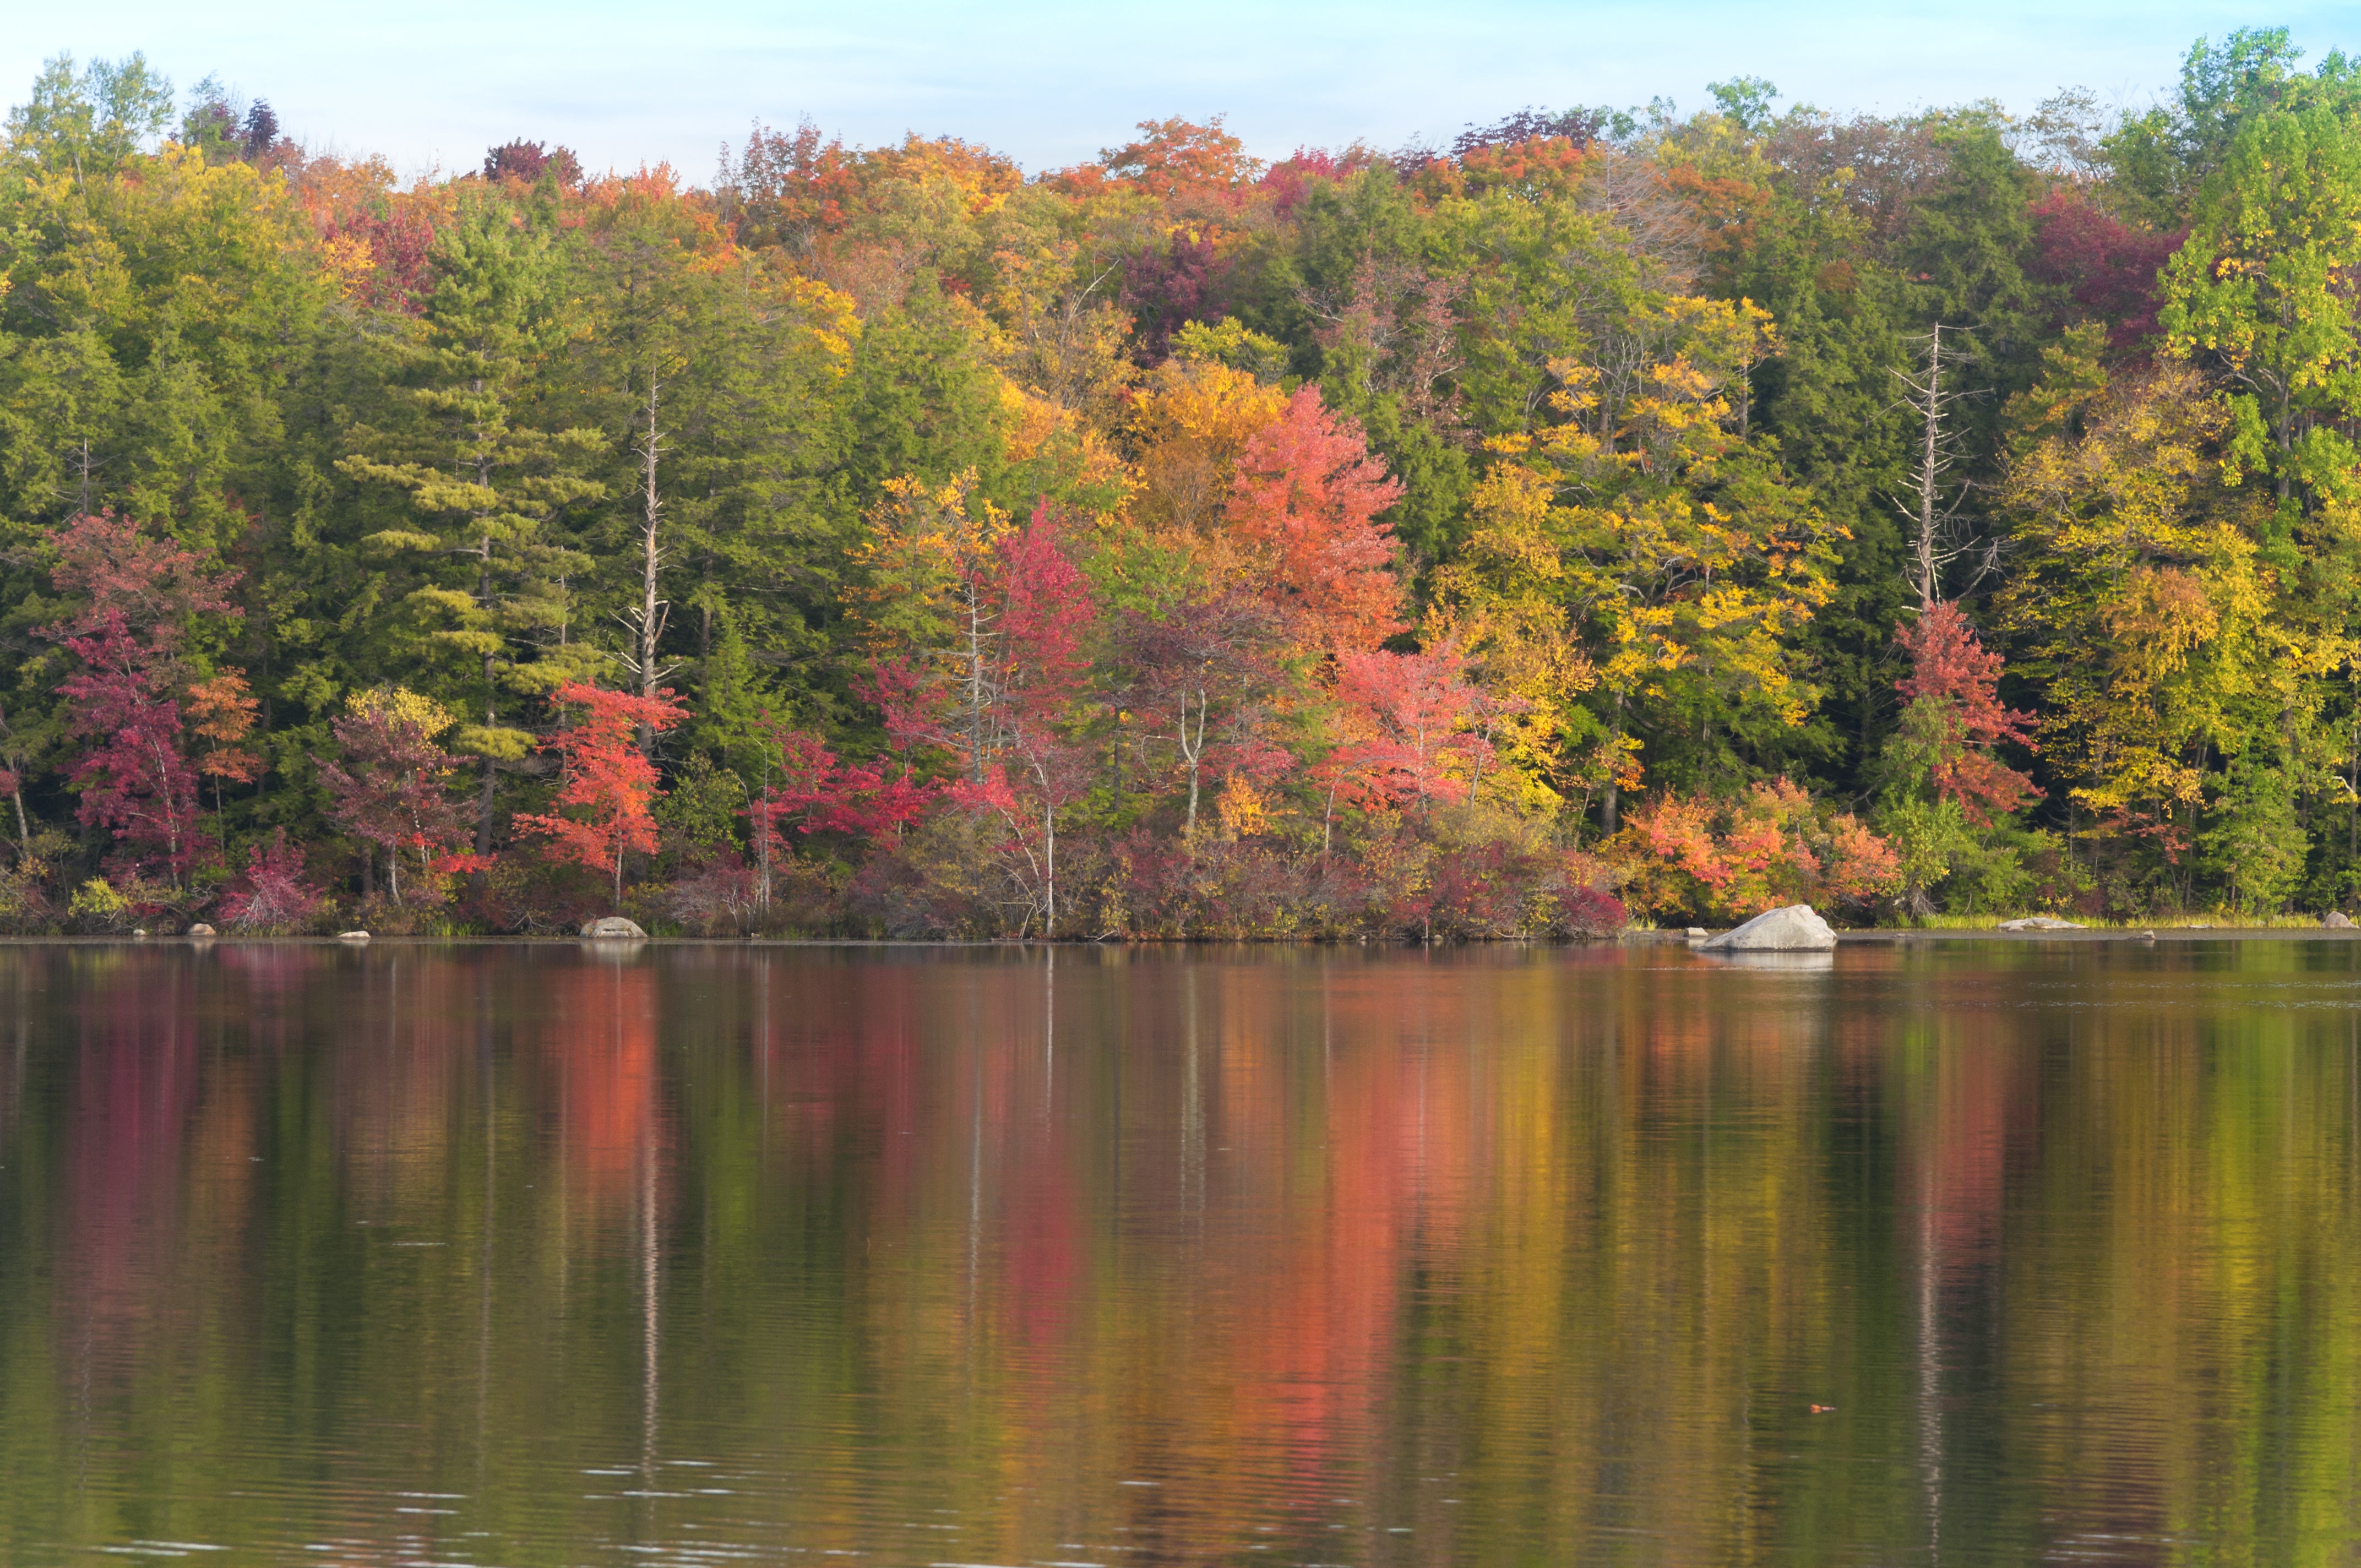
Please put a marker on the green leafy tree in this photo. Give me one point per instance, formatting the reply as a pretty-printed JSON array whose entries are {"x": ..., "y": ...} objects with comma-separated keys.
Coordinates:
[
  {"x": 2264, "y": 287},
  {"x": 90, "y": 124},
  {"x": 494, "y": 575},
  {"x": 721, "y": 379},
  {"x": 2159, "y": 159}
]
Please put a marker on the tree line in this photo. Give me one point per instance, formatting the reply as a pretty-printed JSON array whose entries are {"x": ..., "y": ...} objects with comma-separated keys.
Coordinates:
[{"x": 1610, "y": 513}]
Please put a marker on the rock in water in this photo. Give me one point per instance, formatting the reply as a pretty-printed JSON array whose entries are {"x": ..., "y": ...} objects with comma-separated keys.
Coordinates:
[
  {"x": 200, "y": 930},
  {"x": 2337, "y": 920},
  {"x": 2040, "y": 923},
  {"x": 614, "y": 928},
  {"x": 352, "y": 936},
  {"x": 1696, "y": 932},
  {"x": 1794, "y": 930}
]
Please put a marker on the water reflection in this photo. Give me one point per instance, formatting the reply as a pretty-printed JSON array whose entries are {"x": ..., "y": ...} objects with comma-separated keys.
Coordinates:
[{"x": 1958, "y": 1253}]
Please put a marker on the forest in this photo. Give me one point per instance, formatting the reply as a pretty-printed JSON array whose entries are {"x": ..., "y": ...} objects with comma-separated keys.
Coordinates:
[{"x": 1612, "y": 516}]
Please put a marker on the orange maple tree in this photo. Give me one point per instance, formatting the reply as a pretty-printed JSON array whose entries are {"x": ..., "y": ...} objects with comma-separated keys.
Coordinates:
[
  {"x": 220, "y": 713},
  {"x": 606, "y": 783},
  {"x": 1304, "y": 499}
]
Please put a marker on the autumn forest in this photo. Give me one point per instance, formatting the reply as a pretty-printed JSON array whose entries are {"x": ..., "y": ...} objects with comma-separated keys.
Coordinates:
[{"x": 1611, "y": 516}]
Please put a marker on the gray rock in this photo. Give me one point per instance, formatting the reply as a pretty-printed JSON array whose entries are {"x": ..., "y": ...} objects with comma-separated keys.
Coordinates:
[
  {"x": 201, "y": 930},
  {"x": 2040, "y": 923},
  {"x": 352, "y": 936},
  {"x": 614, "y": 928},
  {"x": 1794, "y": 930},
  {"x": 1696, "y": 932},
  {"x": 2337, "y": 920}
]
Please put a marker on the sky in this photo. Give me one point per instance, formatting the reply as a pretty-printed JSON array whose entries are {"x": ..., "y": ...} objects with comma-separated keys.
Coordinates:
[{"x": 431, "y": 84}]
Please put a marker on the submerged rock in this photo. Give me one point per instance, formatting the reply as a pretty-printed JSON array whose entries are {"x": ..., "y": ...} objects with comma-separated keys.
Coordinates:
[
  {"x": 614, "y": 928},
  {"x": 2337, "y": 920},
  {"x": 1798, "y": 929},
  {"x": 2040, "y": 923}
]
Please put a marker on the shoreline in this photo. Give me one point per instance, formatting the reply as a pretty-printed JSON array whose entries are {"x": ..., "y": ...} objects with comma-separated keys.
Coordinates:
[{"x": 1865, "y": 936}]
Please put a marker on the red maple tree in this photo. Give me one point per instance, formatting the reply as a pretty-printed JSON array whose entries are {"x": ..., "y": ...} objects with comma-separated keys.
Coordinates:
[
  {"x": 1406, "y": 715},
  {"x": 1305, "y": 499},
  {"x": 815, "y": 791},
  {"x": 1955, "y": 713},
  {"x": 605, "y": 782},
  {"x": 136, "y": 597}
]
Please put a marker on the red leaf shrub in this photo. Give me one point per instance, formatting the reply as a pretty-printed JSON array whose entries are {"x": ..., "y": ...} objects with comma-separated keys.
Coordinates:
[{"x": 272, "y": 897}]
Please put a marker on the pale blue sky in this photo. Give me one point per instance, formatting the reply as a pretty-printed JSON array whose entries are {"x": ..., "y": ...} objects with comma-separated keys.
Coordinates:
[{"x": 436, "y": 80}]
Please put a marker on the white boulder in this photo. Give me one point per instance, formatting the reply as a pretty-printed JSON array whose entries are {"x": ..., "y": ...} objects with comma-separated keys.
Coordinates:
[
  {"x": 352, "y": 936},
  {"x": 2336, "y": 920},
  {"x": 614, "y": 928},
  {"x": 2040, "y": 923},
  {"x": 1798, "y": 929}
]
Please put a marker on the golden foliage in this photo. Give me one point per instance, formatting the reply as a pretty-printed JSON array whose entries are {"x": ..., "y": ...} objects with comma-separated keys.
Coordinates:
[{"x": 1187, "y": 426}]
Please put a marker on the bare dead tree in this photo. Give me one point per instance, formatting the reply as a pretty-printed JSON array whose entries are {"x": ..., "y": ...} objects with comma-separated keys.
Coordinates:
[
  {"x": 1932, "y": 507},
  {"x": 648, "y": 618}
]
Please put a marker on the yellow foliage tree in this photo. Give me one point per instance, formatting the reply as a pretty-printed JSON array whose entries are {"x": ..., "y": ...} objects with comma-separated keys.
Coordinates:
[
  {"x": 1642, "y": 555},
  {"x": 1188, "y": 424},
  {"x": 2177, "y": 655}
]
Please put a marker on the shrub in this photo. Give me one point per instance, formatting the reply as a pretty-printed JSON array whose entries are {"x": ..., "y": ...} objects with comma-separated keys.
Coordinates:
[
  {"x": 718, "y": 899},
  {"x": 98, "y": 909},
  {"x": 1733, "y": 859},
  {"x": 24, "y": 906},
  {"x": 272, "y": 897}
]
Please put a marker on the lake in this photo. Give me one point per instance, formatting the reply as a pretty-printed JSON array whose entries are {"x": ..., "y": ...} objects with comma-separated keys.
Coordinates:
[{"x": 1963, "y": 1251}]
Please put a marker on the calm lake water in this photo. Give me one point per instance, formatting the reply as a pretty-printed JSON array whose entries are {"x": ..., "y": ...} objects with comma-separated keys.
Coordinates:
[{"x": 492, "y": 1254}]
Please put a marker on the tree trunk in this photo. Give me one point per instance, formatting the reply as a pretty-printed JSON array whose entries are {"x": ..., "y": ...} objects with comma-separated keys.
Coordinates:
[
  {"x": 654, "y": 611},
  {"x": 975, "y": 682},
  {"x": 1192, "y": 753},
  {"x": 1049, "y": 863},
  {"x": 762, "y": 887},
  {"x": 1925, "y": 563},
  {"x": 1611, "y": 801},
  {"x": 484, "y": 812},
  {"x": 491, "y": 713}
]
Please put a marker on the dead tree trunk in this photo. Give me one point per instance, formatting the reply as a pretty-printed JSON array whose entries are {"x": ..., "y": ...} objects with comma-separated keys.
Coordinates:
[{"x": 654, "y": 612}]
